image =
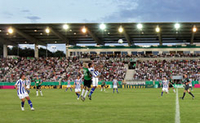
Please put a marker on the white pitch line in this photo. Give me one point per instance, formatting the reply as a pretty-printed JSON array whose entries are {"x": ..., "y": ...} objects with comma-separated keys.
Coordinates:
[{"x": 177, "y": 115}]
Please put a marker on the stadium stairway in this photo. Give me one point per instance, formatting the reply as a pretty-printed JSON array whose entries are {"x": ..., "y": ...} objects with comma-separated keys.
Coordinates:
[{"x": 129, "y": 74}]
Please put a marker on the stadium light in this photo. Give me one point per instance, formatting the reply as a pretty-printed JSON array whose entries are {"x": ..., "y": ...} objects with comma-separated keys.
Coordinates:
[
  {"x": 65, "y": 26},
  {"x": 102, "y": 26},
  {"x": 177, "y": 26},
  {"x": 139, "y": 26},
  {"x": 157, "y": 29},
  {"x": 10, "y": 46},
  {"x": 120, "y": 29},
  {"x": 194, "y": 29},
  {"x": 47, "y": 30},
  {"x": 10, "y": 30},
  {"x": 84, "y": 30}
]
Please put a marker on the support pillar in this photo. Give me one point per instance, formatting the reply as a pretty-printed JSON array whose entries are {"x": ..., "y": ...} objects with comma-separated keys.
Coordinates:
[
  {"x": 67, "y": 51},
  {"x": 5, "y": 51},
  {"x": 36, "y": 51}
]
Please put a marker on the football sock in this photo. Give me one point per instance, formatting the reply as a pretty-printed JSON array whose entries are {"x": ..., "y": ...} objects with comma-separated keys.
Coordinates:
[
  {"x": 71, "y": 89},
  {"x": 36, "y": 92},
  {"x": 66, "y": 89},
  {"x": 41, "y": 93},
  {"x": 161, "y": 93},
  {"x": 82, "y": 92},
  {"x": 22, "y": 103},
  {"x": 117, "y": 90},
  {"x": 91, "y": 92},
  {"x": 191, "y": 94},
  {"x": 30, "y": 103},
  {"x": 174, "y": 90},
  {"x": 78, "y": 95},
  {"x": 113, "y": 90},
  {"x": 86, "y": 93},
  {"x": 183, "y": 95}
]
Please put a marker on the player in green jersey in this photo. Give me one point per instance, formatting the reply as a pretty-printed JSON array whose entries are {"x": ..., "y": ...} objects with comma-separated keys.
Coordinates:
[
  {"x": 38, "y": 83},
  {"x": 87, "y": 81}
]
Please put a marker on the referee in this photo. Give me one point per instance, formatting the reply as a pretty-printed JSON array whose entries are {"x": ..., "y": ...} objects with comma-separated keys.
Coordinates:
[{"x": 186, "y": 81}]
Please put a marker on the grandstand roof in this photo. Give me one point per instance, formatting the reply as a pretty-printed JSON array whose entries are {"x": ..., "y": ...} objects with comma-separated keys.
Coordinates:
[{"x": 35, "y": 33}]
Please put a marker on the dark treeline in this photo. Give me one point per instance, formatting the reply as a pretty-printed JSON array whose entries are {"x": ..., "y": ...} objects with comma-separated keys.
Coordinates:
[{"x": 27, "y": 52}]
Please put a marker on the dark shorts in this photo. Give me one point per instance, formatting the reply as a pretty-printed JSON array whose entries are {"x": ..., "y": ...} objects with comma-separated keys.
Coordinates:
[
  {"x": 102, "y": 86},
  {"x": 187, "y": 87},
  {"x": 87, "y": 83},
  {"x": 171, "y": 85},
  {"x": 38, "y": 87}
]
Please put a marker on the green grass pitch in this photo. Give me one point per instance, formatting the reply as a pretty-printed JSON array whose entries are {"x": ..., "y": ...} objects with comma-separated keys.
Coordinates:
[{"x": 129, "y": 106}]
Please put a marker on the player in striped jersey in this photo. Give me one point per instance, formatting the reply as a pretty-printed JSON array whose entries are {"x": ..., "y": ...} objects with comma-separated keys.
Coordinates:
[
  {"x": 68, "y": 84},
  {"x": 165, "y": 84},
  {"x": 95, "y": 79},
  {"x": 21, "y": 92},
  {"x": 28, "y": 85},
  {"x": 115, "y": 85},
  {"x": 77, "y": 85}
]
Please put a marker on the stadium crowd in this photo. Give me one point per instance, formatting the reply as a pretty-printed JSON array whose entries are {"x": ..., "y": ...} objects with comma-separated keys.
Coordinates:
[
  {"x": 52, "y": 69},
  {"x": 156, "y": 69},
  {"x": 139, "y": 55}
]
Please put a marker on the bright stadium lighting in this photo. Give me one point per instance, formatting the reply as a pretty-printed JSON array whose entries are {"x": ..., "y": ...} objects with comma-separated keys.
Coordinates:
[
  {"x": 84, "y": 30},
  {"x": 10, "y": 30},
  {"x": 10, "y": 46},
  {"x": 102, "y": 26},
  {"x": 47, "y": 30},
  {"x": 177, "y": 26},
  {"x": 120, "y": 29},
  {"x": 65, "y": 26},
  {"x": 194, "y": 29},
  {"x": 139, "y": 26},
  {"x": 157, "y": 29}
]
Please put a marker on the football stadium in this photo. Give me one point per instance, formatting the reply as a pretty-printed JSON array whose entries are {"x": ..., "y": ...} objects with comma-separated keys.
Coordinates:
[{"x": 103, "y": 72}]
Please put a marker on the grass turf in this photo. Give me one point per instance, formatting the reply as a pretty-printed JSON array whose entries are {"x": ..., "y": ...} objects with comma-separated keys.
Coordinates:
[{"x": 130, "y": 105}]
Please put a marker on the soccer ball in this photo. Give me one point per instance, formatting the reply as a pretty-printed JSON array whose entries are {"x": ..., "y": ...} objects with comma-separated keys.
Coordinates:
[{"x": 120, "y": 41}]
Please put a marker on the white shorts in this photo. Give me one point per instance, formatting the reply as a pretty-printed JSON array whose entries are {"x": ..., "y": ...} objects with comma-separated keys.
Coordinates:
[
  {"x": 165, "y": 90},
  {"x": 114, "y": 86},
  {"x": 69, "y": 86},
  {"x": 95, "y": 81},
  {"x": 22, "y": 96},
  {"x": 28, "y": 87},
  {"x": 77, "y": 90}
]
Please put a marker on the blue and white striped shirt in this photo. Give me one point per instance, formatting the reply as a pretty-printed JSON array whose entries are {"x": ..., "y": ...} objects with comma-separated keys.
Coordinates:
[
  {"x": 78, "y": 83},
  {"x": 28, "y": 82},
  {"x": 93, "y": 72},
  {"x": 21, "y": 86}
]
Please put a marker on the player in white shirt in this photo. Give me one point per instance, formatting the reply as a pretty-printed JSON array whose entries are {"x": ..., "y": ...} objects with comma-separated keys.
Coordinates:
[
  {"x": 28, "y": 85},
  {"x": 165, "y": 84},
  {"x": 115, "y": 85},
  {"x": 21, "y": 92},
  {"x": 190, "y": 84},
  {"x": 68, "y": 84},
  {"x": 77, "y": 86},
  {"x": 95, "y": 79}
]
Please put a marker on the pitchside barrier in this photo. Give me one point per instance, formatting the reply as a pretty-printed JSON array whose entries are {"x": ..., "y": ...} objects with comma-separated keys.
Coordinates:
[
  {"x": 109, "y": 84},
  {"x": 54, "y": 85}
]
